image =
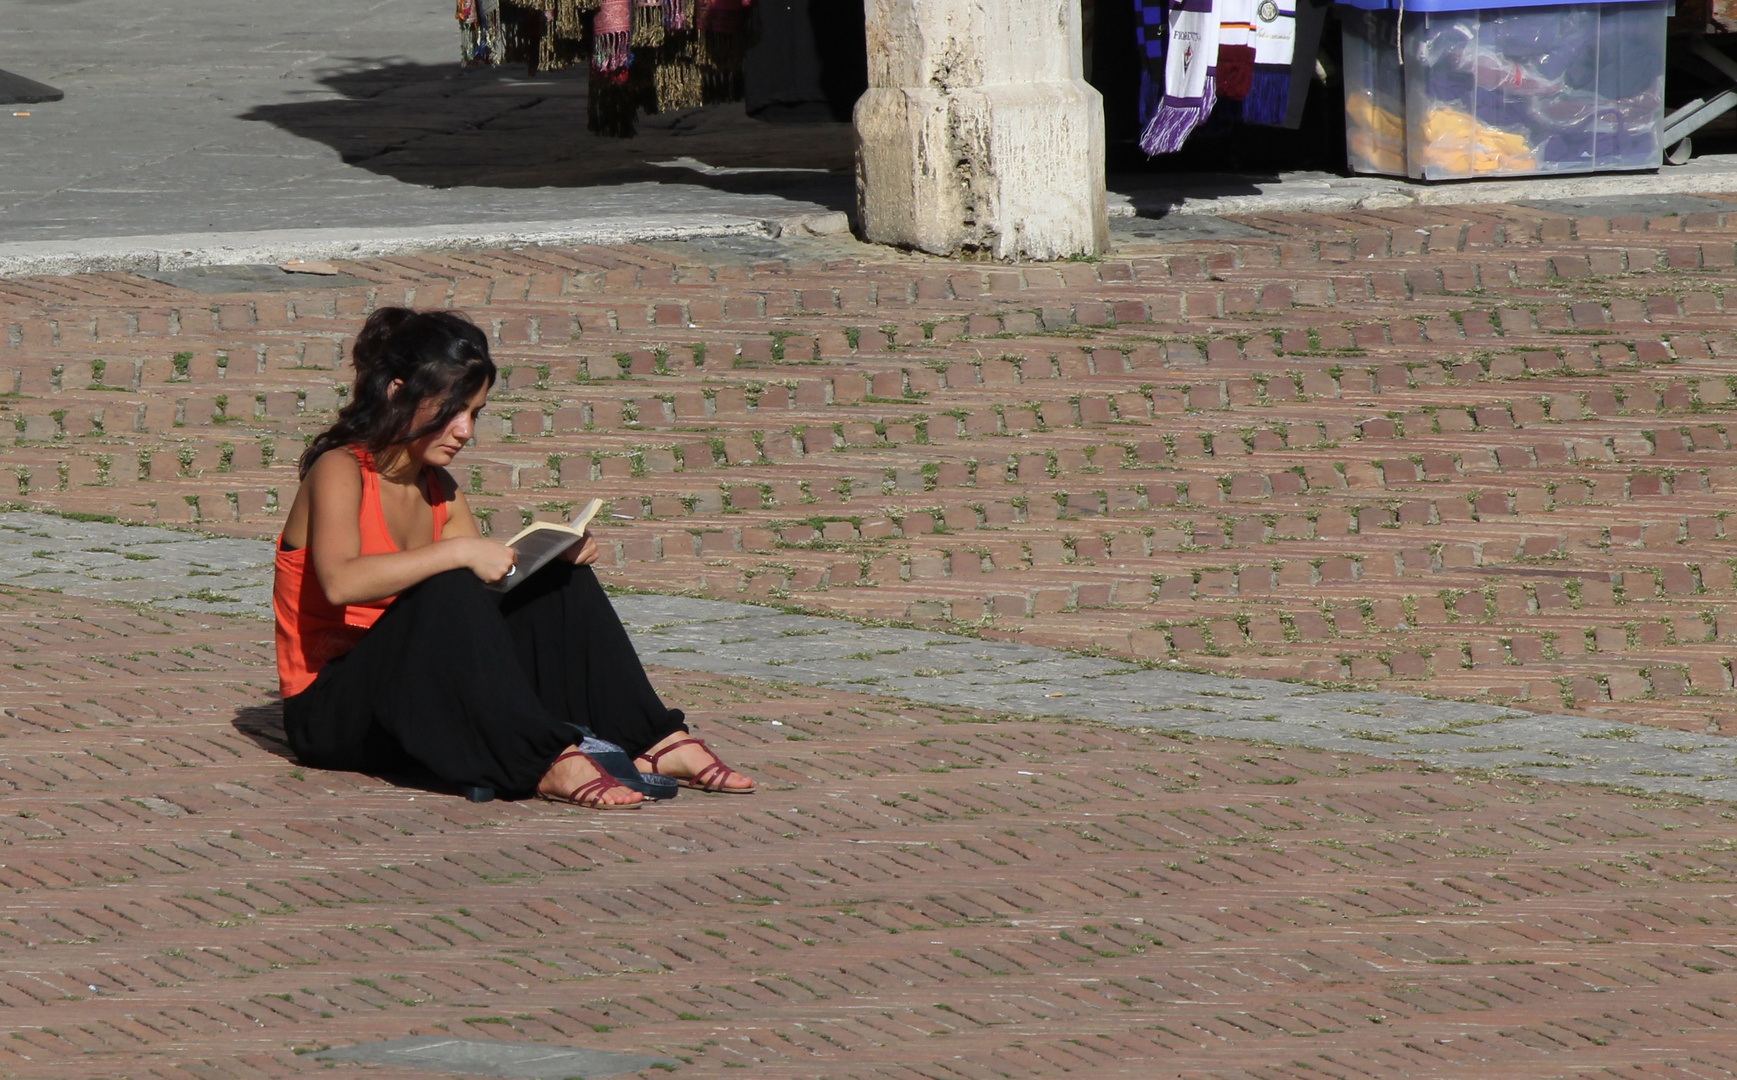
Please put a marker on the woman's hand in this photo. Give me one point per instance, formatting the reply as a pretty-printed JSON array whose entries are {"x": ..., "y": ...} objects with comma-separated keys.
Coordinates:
[
  {"x": 584, "y": 553},
  {"x": 487, "y": 559}
]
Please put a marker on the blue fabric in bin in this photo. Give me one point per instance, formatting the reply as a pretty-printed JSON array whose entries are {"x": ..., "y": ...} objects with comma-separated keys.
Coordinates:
[
  {"x": 1508, "y": 90},
  {"x": 1421, "y": 6}
]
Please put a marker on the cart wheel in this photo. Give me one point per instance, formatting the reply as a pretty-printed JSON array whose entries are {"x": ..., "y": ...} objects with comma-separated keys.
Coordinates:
[{"x": 1681, "y": 153}]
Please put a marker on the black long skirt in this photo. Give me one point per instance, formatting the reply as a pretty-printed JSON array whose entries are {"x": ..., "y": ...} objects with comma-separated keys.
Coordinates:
[{"x": 480, "y": 688}]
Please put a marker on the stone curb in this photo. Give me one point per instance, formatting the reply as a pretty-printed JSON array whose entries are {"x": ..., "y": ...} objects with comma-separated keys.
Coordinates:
[
  {"x": 1188, "y": 197},
  {"x": 151, "y": 254},
  {"x": 1323, "y": 193}
]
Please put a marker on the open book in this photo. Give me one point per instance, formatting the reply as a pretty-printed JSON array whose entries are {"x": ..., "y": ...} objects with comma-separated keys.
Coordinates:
[{"x": 540, "y": 543}]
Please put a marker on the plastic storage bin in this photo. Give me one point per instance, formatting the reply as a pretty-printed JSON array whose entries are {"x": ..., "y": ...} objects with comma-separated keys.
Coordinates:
[{"x": 1509, "y": 91}]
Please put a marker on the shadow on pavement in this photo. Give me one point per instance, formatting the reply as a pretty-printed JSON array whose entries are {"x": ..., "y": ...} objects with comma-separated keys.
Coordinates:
[
  {"x": 263, "y": 724},
  {"x": 18, "y": 90},
  {"x": 446, "y": 126},
  {"x": 1154, "y": 195}
]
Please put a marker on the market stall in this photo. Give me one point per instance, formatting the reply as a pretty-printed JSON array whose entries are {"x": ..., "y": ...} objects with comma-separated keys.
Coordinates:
[
  {"x": 652, "y": 54},
  {"x": 1432, "y": 89},
  {"x": 1457, "y": 89}
]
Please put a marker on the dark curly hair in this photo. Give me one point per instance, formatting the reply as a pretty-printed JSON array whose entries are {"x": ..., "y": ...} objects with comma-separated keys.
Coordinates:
[{"x": 436, "y": 353}]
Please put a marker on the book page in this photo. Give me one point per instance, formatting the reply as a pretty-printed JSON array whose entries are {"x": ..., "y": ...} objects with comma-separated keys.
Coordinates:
[
  {"x": 539, "y": 544},
  {"x": 535, "y": 549},
  {"x": 583, "y": 517},
  {"x": 577, "y": 525}
]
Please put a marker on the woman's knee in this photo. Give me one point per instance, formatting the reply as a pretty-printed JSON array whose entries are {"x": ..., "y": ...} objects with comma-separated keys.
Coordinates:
[
  {"x": 583, "y": 581},
  {"x": 561, "y": 579},
  {"x": 453, "y": 587},
  {"x": 453, "y": 598}
]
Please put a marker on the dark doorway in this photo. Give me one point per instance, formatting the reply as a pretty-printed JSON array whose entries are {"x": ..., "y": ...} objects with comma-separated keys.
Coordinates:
[{"x": 809, "y": 60}]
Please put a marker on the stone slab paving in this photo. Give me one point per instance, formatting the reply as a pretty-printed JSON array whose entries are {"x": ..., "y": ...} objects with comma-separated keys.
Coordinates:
[
  {"x": 919, "y": 891},
  {"x": 243, "y": 116},
  {"x": 1482, "y": 452},
  {"x": 290, "y": 130},
  {"x": 484, "y": 1057},
  {"x": 136, "y": 564},
  {"x": 763, "y": 643}
]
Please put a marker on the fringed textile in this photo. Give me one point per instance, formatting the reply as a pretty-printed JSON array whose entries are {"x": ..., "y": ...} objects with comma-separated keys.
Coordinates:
[
  {"x": 481, "y": 36},
  {"x": 612, "y": 30},
  {"x": 679, "y": 84},
  {"x": 570, "y": 17},
  {"x": 1269, "y": 96},
  {"x": 649, "y": 24},
  {"x": 554, "y": 49},
  {"x": 656, "y": 55},
  {"x": 1190, "y": 86}
]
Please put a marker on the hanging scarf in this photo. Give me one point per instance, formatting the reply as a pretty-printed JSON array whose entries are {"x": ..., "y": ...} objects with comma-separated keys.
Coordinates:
[
  {"x": 649, "y": 24},
  {"x": 1269, "y": 96},
  {"x": 654, "y": 55},
  {"x": 1236, "y": 48},
  {"x": 1189, "y": 86},
  {"x": 481, "y": 36},
  {"x": 611, "y": 34},
  {"x": 1149, "y": 31}
]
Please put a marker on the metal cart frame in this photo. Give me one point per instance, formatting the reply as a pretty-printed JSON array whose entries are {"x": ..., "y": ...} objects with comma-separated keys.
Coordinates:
[{"x": 1697, "y": 114}]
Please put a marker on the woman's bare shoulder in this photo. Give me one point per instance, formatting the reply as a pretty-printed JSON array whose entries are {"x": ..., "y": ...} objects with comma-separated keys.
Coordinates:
[
  {"x": 334, "y": 484},
  {"x": 335, "y": 470}
]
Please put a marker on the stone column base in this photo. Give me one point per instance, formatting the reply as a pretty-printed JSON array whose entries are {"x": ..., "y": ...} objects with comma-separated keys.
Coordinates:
[{"x": 987, "y": 140}]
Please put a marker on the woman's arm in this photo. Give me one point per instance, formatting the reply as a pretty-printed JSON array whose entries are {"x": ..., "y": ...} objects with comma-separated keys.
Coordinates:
[
  {"x": 459, "y": 520},
  {"x": 334, "y": 489}
]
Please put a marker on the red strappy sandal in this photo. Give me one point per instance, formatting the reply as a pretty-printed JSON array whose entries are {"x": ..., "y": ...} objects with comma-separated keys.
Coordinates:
[
  {"x": 589, "y": 794},
  {"x": 709, "y": 779}
]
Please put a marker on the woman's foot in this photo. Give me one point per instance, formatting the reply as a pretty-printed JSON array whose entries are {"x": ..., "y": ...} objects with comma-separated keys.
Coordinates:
[
  {"x": 691, "y": 761},
  {"x": 576, "y": 779}
]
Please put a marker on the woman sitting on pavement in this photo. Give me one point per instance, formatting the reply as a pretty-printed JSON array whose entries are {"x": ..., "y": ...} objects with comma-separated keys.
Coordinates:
[{"x": 391, "y": 648}]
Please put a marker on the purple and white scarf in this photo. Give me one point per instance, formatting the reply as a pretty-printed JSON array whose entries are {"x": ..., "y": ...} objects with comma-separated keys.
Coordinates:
[
  {"x": 1150, "y": 28},
  {"x": 1236, "y": 48},
  {"x": 1190, "y": 77},
  {"x": 1269, "y": 95}
]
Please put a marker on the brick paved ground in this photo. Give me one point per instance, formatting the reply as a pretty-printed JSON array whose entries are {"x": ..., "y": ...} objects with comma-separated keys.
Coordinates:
[
  {"x": 1478, "y": 451},
  {"x": 173, "y": 568},
  {"x": 918, "y": 893}
]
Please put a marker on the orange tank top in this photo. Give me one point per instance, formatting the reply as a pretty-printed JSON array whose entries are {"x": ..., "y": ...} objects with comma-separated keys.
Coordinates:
[{"x": 310, "y": 628}]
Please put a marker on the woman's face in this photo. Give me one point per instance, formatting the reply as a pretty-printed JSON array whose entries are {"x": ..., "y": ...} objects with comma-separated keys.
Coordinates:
[{"x": 438, "y": 448}]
